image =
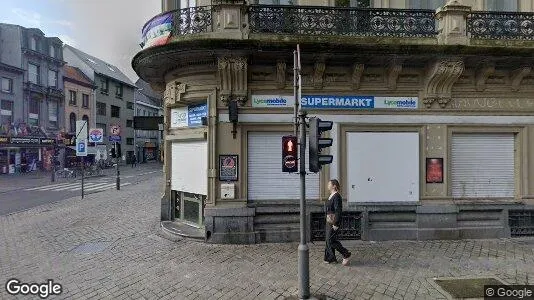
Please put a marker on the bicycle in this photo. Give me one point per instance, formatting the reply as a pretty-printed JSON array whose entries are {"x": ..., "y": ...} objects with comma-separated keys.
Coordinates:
[{"x": 65, "y": 173}]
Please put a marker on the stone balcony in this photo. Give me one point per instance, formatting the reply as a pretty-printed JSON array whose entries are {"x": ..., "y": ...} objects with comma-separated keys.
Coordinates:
[{"x": 200, "y": 33}]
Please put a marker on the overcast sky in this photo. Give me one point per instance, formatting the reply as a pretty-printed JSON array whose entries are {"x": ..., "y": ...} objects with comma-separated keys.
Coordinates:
[{"x": 107, "y": 29}]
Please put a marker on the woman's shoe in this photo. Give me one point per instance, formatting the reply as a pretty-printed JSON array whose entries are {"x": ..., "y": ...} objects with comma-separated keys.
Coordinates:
[
  {"x": 346, "y": 260},
  {"x": 330, "y": 262}
]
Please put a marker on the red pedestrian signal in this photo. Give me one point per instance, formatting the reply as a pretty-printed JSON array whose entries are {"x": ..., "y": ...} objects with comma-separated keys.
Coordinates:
[{"x": 289, "y": 154}]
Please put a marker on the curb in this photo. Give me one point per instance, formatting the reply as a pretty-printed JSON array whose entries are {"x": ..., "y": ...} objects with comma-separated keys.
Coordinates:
[{"x": 175, "y": 235}]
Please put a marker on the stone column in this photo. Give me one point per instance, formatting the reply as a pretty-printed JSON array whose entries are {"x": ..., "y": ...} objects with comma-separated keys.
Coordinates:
[{"x": 453, "y": 23}]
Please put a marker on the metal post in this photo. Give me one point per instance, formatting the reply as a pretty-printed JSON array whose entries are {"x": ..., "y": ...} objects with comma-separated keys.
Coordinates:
[
  {"x": 54, "y": 165},
  {"x": 118, "y": 184},
  {"x": 303, "y": 250},
  {"x": 83, "y": 173},
  {"x": 295, "y": 87}
]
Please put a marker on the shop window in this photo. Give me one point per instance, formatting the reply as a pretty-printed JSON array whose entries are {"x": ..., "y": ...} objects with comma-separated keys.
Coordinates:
[
  {"x": 7, "y": 85},
  {"x": 501, "y": 5},
  {"x": 72, "y": 98},
  {"x": 101, "y": 108},
  {"x": 33, "y": 73},
  {"x": 72, "y": 122},
  {"x": 52, "y": 78},
  {"x": 85, "y": 101},
  {"x": 115, "y": 111},
  {"x": 6, "y": 112}
]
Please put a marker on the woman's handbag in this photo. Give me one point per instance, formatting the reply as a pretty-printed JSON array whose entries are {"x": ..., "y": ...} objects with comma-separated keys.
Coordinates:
[{"x": 330, "y": 218}]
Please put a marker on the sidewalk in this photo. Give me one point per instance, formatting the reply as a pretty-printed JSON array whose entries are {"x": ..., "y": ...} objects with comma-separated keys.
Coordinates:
[{"x": 108, "y": 246}]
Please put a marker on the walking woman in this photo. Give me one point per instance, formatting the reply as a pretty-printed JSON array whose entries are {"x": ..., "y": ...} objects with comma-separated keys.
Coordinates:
[{"x": 333, "y": 209}]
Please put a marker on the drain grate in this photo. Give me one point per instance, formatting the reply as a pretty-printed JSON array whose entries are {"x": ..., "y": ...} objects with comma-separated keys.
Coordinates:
[
  {"x": 93, "y": 247},
  {"x": 466, "y": 287}
]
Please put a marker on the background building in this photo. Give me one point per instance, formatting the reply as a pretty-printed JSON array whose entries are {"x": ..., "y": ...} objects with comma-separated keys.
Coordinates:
[
  {"x": 432, "y": 113},
  {"x": 79, "y": 105},
  {"x": 114, "y": 97},
  {"x": 32, "y": 111},
  {"x": 147, "y": 103}
]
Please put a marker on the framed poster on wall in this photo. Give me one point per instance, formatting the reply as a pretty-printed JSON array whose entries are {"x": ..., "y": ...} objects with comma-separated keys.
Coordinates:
[
  {"x": 228, "y": 166},
  {"x": 434, "y": 170}
]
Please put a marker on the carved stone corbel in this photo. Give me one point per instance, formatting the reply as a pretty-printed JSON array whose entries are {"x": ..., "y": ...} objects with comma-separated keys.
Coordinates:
[
  {"x": 441, "y": 76},
  {"x": 318, "y": 74},
  {"x": 280, "y": 74},
  {"x": 232, "y": 81},
  {"x": 173, "y": 93},
  {"x": 393, "y": 71},
  {"x": 484, "y": 71},
  {"x": 518, "y": 75},
  {"x": 357, "y": 72}
]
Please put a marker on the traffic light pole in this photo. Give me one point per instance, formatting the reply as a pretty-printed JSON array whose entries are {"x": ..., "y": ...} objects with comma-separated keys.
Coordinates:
[
  {"x": 295, "y": 90},
  {"x": 304, "y": 257}
]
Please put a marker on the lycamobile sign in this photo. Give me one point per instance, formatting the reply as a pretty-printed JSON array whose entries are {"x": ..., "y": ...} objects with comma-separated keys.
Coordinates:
[{"x": 272, "y": 101}]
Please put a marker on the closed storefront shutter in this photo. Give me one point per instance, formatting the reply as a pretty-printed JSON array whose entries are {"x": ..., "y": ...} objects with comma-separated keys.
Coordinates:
[
  {"x": 266, "y": 181},
  {"x": 482, "y": 165},
  {"x": 189, "y": 169}
]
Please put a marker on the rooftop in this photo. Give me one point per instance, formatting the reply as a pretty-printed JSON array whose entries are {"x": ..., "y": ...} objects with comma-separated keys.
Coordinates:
[{"x": 76, "y": 74}]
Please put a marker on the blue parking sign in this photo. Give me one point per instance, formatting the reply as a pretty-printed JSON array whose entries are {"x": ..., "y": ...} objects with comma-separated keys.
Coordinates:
[{"x": 81, "y": 147}]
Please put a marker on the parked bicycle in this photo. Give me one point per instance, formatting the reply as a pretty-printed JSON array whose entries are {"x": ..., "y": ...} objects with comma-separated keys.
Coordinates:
[{"x": 65, "y": 173}]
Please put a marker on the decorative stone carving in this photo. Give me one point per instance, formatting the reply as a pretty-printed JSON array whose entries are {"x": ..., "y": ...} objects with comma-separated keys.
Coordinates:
[
  {"x": 318, "y": 72},
  {"x": 441, "y": 76},
  {"x": 357, "y": 72},
  {"x": 484, "y": 71},
  {"x": 232, "y": 77},
  {"x": 392, "y": 73},
  {"x": 281, "y": 74},
  {"x": 173, "y": 93},
  {"x": 452, "y": 23},
  {"x": 518, "y": 75}
]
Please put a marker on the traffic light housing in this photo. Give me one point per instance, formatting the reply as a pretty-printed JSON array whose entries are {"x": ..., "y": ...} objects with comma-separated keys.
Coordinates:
[
  {"x": 317, "y": 143},
  {"x": 112, "y": 152},
  {"x": 118, "y": 150},
  {"x": 290, "y": 154}
]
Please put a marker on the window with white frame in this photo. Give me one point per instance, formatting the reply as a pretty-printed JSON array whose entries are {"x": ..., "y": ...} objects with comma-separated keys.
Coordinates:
[
  {"x": 33, "y": 73},
  {"x": 52, "y": 78},
  {"x": 33, "y": 112},
  {"x": 85, "y": 100},
  {"x": 7, "y": 85},
  {"x": 72, "y": 97}
]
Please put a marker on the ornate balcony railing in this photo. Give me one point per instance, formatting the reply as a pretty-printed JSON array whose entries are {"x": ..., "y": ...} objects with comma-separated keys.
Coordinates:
[
  {"x": 501, "y": 25},
  {"x": 192, "y": 20},
  {"x": 314, "y": 20}
]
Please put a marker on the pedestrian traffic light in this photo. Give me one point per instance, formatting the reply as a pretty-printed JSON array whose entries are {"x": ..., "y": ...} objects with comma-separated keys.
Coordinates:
[
  {"x": 119, "y": 152},
  {"x": 112, "y": 153},
  {"x": 317, "y": 143},
  {"x": 289, "y": 154}
]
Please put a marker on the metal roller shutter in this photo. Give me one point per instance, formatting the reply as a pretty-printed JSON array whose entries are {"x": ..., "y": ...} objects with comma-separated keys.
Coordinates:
[
  {"x": 189, "y": 169},
  {"x": 482, "y": 165},
  {"x": 266, "y": 181}
]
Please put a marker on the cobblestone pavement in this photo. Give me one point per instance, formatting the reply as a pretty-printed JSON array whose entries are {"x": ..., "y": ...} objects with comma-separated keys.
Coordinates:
[{"x": 41, "y": 243}]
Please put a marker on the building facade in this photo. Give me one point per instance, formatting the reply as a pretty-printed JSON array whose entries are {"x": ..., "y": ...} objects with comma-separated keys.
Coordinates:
[
  {"x": 148, "y": 104},
  {"x": 79, "y": 105},
  {"x": 32, "y": 98},
  {"x": 114, "y": 100},
  {"x": 431, "y": 103}
]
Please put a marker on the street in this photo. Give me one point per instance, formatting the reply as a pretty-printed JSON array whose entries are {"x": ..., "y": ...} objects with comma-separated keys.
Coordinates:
[
  {"x": 18, "y": 192},
  {"x": 108, "y": 246}
]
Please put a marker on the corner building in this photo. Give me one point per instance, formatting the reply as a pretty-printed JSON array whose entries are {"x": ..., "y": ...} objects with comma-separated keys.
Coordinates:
[{"x": 432, "y": 109}]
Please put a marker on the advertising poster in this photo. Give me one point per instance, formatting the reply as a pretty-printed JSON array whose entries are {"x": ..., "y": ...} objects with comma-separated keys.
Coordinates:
[
  {"x": 434, "y": 170},
  {"x": 195, "y": 114}
]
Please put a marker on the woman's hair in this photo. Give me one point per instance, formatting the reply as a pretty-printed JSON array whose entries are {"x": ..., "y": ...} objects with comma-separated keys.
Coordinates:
[{"x": 335, "y": 183}]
